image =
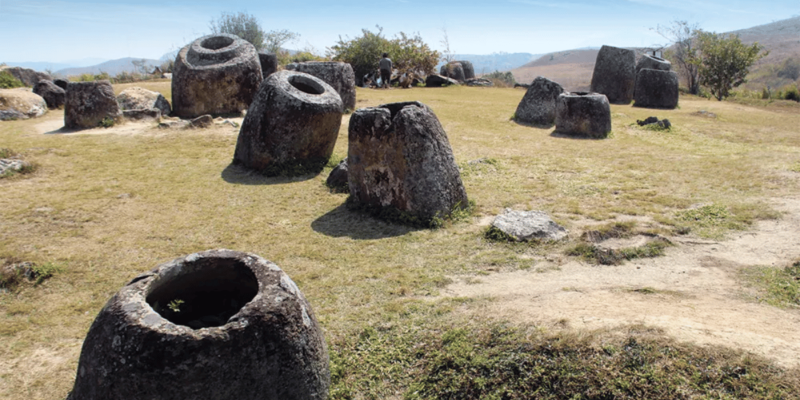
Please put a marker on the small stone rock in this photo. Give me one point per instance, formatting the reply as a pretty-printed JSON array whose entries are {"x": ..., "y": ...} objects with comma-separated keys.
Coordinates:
[
  {"x": 203, "y": 121},
  {"x": 529, "y": 225},
  {"x": 481, "y": 82},
  {"x": 337, "y": 180},
  {"x": 7, "y": 164}
]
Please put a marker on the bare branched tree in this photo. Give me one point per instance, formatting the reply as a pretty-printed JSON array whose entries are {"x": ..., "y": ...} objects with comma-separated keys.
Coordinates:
[
  {"x": 682, "y": 51},
  {"x": 447, "y": 54}
]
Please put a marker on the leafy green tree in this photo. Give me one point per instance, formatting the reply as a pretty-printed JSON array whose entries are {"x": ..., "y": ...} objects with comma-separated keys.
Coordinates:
[
  {"x": 247, "y": 27},
  {"x": 724, "y": 61},
  {"x": 409, "y": 54}
]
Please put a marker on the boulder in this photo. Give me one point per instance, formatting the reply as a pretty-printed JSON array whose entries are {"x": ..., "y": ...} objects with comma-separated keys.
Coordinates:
[
  {"x": 292, "y": 124},
  {"x": 215, "y": 74},
  {"x": 137, "y": 98},
  {"x": 615, "y": 74},
  {"x": 399, "y": 159},
  {"x": 27, "y": 76},
  {"x": 90, "y": 103},
  {"x": 269, "y": 63},
  {"x": 434, "y": 80},
  {"x": 583, "y": 114},
  {"x": 525, "y": 226},
  {"x": 337, "y": 180},
  {"x": 53, "y": 95},
  {"x": 62, "y": 83},
  {"x": 478, "y": 82},
  {"x": 469, "y": 69},
  {"x": 652, "y": 62},
  {"x": 21, "y": 103},
  {"x": 454, "y": 70},
  {"x": 218, "y": 324},
  {"x": 538, "y": 106},
  {"x": 656, "y": 89},
  {"x": 337, "y": 74}
]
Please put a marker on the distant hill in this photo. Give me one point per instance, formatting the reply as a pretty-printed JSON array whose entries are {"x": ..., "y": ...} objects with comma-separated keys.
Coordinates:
[
  {"x": 782, "y": 39},
  {"x": 571, "y": 68},
  {"x": 487, "y": 63},
  {"x": 112, "y": 67},
  {"x": 43, "y": 66}
]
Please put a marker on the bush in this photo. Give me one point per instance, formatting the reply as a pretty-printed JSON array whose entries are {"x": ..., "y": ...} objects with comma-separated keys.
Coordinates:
[
  {"x": 791, "y": 93},
  {"x": 8, "y": 81},
  {"x": 501, "y": 79}
]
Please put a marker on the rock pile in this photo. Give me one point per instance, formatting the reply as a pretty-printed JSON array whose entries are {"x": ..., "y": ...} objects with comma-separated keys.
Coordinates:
[{"x": 215, "y": 74}]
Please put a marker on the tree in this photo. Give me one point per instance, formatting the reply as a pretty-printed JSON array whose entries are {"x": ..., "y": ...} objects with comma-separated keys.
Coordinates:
[
  {"x": 683, "y": 51},
  {"x": 409, "y": 54},
  {"x": 724, "y": 61},
  {"x": 447, "y": 54},
  {"x": 247, "y": 27}
]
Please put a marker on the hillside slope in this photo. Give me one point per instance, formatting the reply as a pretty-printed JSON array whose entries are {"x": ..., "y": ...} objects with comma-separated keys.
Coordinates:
[{"x": 112, "y": 67}]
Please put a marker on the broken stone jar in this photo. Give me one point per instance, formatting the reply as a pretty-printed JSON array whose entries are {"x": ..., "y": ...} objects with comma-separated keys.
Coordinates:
[{"x": 218, "y": 324}]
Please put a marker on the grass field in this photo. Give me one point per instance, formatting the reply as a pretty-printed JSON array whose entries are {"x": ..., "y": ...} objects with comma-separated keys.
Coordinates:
[{"x": 104, "y": 207}]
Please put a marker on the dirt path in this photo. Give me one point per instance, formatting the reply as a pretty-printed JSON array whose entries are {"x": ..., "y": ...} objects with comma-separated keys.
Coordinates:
[{"x": 697, "y": 297}]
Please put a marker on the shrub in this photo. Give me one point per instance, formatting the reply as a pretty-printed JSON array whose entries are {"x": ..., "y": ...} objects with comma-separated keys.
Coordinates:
[
  {"x": 8, "y": 81},
  {"x": 791, "y": 93},
  {"x": 501, "y": 79}
]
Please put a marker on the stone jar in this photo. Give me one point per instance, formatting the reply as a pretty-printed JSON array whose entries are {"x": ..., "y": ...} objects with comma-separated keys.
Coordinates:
[
  {"x": 218, "y": 324},
  {"x": 52, "y": 94},
  {"x": 215, "y": 74},
  {"x": 583, "y": 114},
  {"x": 269, "y": 63},
  {"x": 538, "y": 106},
  {"x": 469, "y": 69},
  {"x": 652, "y": 62},
  {"x": 399, "y": 158},
  {"x": 454, "y": 70},
  {"x": 615, "y": 74},
  {"x": 656, "y": 89},
  {"x": 292, "y": 124},
  {"x": 89, "y": 103},
  {"x": 337, "y": 74}
]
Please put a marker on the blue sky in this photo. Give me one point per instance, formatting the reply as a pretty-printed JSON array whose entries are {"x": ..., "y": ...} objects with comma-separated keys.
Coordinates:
[{"x": 59, "y": 31}]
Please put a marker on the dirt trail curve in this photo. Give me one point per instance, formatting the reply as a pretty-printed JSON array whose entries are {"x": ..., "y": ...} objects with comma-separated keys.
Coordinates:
[{"x": 698, "y": 296}]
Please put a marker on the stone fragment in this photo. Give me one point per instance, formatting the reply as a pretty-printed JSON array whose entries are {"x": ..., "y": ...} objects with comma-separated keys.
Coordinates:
[
  {"x": 20, "y": 103},
  {"x": 656, "y": 89},
  {"x": 137, "y": 98},
  {"x": 399, "y": 158},
  {"x": 90, "y": 103},
  {"x": 219, "y": 324},
  {"x": 454, "y": 70},
  {"x": 538, "y": 106},
  {"x": 662, "y": 124},
  {"x": 215, "y": 74},
  {"x": 337, "y": 74},
  {"x": 269, "y": 63},
  {"x": 583, "y": 114},
  {"x": 615, "y": 74},
  {"x": 434, "y": 80},
  {"x": 529, "y": 225},
  {"x": 292, "y": 124},
  {"x": 337, "y": 180},
  {"x": 203, "y": 121},
  {"x": 27, "y": 76}
]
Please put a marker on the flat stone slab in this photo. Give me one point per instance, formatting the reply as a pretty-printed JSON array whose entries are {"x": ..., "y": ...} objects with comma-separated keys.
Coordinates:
[
  {"x": 10, "y": 165},
  {"x": 529, "y": 225}
]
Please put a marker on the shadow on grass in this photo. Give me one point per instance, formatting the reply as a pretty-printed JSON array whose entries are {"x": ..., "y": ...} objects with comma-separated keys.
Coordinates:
[
  {"x": 342, "y": 222},
  {"x": 242, "y": 176},
  {"x": 532, "y": 125},
  {"x": 560, "y": 135}
]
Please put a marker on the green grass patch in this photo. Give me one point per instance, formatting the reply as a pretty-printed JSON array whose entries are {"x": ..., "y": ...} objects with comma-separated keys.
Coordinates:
[
  {"x": 779, "y": 287},
  {"x": 8, "y": 81},
  {"x": 598, "y": 255}
]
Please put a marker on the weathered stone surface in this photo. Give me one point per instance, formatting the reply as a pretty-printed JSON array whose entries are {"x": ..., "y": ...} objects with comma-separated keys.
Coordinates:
[
  {"x": 652, "y": 62},
  {"x": 269, "y": 63},
  {"x": 434, "y": 80},
  {"x": 529, "y": 225},
  {"x": 215, "y": 74},
  {"x": 218, "y": 324},
  {"x": 469, "y": 69},
  {"x": 337, "y": 74},
  {"x": 11, "y": 164},
  {"x": 62, "y": 83},
  {"x": 656, "y": 89},
  {"x": 481, "y": 82},
  {"x": 294, "y": 121},
  {"x": 399, "y": 157},
  {"x": 615, "y": 74},
  {"x": 142, "y": 114},
  {"x": 453, "y": 70},
  {"x": 583, "y": 114},
  {"x": 21, "y": 103},
  {"x": 337, "y": 180},
  {"x": 27, "y": 76},
  {"x": 89, "y": 103},
  {"x": 53, "y": 95},
  {"x": 203, "y": 121},
  {"x": 137, "y": 98},
  {"x": 538, "y": 106}
]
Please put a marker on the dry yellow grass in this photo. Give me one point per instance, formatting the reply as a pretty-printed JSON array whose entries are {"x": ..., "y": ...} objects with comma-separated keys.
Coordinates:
[{"x": 107, "y": 207}]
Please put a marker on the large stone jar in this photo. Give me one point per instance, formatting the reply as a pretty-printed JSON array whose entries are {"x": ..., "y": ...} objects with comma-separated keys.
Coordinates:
[
  {"x": 216, "y": 74},
  {"x": 337, "y": 74},
  {"x": 615, "y": 74},
  {"x": 218, "y": 324},
  {"x": 88, "y": 104},
  {"x": 292, "y": 125},
  {"x": 399, "y": 159},
  {"x": 583, "y": 114},
  {"x": 652, "y": 62},
  {"x": 454, "y": 70},
  {"x": 656, "y": 89}
]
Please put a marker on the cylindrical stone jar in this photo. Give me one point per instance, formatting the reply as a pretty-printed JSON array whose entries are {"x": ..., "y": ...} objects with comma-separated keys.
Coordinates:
[{"x": 583, "y": 114}]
